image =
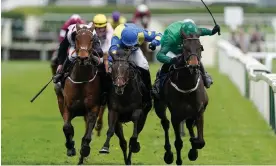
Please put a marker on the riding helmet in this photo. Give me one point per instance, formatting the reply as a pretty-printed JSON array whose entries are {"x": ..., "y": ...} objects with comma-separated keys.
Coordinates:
[
  {"x": 129, "y": 37},
  {"x": 100, "y": 21}
]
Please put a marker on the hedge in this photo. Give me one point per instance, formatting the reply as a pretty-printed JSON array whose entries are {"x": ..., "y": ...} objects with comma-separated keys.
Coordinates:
[{"x": 22, "y": 11}]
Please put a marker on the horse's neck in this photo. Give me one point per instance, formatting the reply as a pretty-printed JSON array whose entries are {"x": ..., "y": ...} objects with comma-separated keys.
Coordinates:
[
  {"x": 81, "y": 73},
  {"x": 185, "y": 79}
]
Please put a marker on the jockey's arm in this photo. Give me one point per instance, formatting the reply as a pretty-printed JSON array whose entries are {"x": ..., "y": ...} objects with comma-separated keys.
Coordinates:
[
  {"x": 205, "y": 32},
  {"x": 62, "y": 50},
  {"x": 165, "y": 48},
  {"x": 115, "y": 44},
  {"x": 97, "y": 50},
  {"x": 152, "y": 35}
]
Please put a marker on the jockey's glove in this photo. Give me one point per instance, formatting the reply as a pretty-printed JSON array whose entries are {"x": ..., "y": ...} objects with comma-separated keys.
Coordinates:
[
  {"x": 153, "y": 44},
  {"x": 216, "y": 29}
]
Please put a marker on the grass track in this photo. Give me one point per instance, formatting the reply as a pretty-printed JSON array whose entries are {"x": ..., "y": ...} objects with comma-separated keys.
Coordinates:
[{"x": 235, "y": 133}]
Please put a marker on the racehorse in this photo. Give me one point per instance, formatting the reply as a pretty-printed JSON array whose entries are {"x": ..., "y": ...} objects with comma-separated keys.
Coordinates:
[
  {"x": 125, "y": 104},
  {"x": 185, "y": 96},
  {"x": 54, "y": 65},
  {"x": 81, "y": 93}
]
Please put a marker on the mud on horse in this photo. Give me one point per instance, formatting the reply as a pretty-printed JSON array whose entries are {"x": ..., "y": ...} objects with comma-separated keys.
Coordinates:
[
  {"x": 185, "y": 96},
  {"x": 81, "y": 93},
  {"x": 125, "y": 104}
]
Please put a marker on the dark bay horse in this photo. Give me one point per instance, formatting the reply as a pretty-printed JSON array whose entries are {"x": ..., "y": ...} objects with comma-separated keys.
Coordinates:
[
  {"x": 125, "y": 104},
  {"x": 185, "y": 96},
  {"x": 81, "y": 93}
]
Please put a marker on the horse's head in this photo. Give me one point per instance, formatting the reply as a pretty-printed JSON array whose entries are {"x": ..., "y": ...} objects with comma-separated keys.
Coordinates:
[
  {"x": 192, "y": 49},
  {"x": 120, "y": 70},
  {"x": 84, "y": 42}
]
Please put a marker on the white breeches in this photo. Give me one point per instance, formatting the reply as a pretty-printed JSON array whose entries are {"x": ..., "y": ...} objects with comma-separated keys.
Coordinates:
[
  {"x": 139, "y": 59},
  {"x": 72, "y": 54}
]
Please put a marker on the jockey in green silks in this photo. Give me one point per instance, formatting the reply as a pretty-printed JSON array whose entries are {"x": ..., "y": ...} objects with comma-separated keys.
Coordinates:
[{"x": 171, "y": 47}]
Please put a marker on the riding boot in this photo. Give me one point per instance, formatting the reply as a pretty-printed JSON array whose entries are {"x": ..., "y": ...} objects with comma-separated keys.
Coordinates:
[
  {"x": 160, "y": 76},
  {"x": 156, "y": 85},
  {"x": 206, "y": 77},
  {"x": 57, "y": 78},
  {"x": 147, "y": 81}
]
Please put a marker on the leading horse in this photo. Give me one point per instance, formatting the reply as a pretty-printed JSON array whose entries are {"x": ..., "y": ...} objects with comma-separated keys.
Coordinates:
[
  {"x": 81, "y": 93},
  {"x": 125, "y": 104},
  {"x": 185, "y": 96}
]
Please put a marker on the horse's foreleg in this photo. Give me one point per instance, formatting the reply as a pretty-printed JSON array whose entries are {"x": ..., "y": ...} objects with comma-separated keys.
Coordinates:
[
  {"x": 68, "y": 130},
  {"x": 91, "y": 118},
  {"x": 112, "y": 120},
  {"x": 199, "y": 142},
  {"x": 178, "y": 142},
  {"x": 99, "y": 124},
  {"x": 123, "y": 144},
  {"x": 193, "y": 153},
  {"x": 134, "y": 145},
  {"x": 160, "y": 110}
]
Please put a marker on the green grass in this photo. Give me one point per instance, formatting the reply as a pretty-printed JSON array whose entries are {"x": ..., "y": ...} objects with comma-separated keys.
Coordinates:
[{"x": 235, "y": 133}]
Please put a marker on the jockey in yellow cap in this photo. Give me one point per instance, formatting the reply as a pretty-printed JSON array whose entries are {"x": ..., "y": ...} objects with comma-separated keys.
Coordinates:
[{"x": 104, "y": 31}]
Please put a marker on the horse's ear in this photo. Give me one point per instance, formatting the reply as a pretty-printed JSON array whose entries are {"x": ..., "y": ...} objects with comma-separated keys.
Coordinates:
[
  {"x": 78, "y": 27},
  {"x": 183, "y": 34}
]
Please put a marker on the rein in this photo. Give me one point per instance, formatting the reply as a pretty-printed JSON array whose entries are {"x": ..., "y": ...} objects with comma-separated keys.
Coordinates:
[
  {"x": 185, "y": 66},
  {"x": 91, "y": 58}
]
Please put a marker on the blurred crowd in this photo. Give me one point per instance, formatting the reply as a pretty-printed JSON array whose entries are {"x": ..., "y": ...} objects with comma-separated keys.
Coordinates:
[{"x": 248, "y": 40}]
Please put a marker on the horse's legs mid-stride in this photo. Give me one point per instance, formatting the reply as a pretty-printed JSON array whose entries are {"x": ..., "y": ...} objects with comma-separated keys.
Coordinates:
[
  {"x": 134, "y": 145},
  {"x": 178, "y": 143},
  {"x": 112, "y": 120},
  {"x": 160, "y": 110},
  {"x": 196, "y": 143},
  {"x": 90, "y": 119},
  {"x": 122, "y": 141},
  {"x": 99, "y": 124},
  {"x": 68, "y": 130}
]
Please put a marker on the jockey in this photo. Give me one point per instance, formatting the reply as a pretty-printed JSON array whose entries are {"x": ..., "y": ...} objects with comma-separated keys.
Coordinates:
[
  {"x": 171, "y": 46},
  {"x": 116, "y": 19},
  {"x": 142, "y": 11},
  {"x": 66, "y": 57},
  {"x": 104, "y": 31},
  {"x": 74, "y": 19},
  {"x": 129, "y": 37}
]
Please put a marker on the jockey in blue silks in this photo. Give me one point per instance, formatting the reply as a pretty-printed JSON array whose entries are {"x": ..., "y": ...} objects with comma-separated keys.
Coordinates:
[{"x": 129, "y": 36}]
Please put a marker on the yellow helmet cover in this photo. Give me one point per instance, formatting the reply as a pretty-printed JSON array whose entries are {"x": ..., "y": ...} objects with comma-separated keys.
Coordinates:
[{"x": 100, "y": 20}]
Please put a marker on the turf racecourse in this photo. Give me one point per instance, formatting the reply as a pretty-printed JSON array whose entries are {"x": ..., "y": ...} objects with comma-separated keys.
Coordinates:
[{"x": 235, "y": 133}]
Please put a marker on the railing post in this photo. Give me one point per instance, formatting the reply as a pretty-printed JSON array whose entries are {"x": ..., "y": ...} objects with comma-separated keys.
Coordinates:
[{"x": 272, "y": 118}]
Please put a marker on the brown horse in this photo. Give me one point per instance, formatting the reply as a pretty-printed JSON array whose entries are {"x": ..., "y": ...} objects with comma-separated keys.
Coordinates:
[
  {"x": 185, "y": 96},
  {"x": 125, "y": 104},
  {"x": 81, "y": 93},
  {"x": 58, "y": 91}
]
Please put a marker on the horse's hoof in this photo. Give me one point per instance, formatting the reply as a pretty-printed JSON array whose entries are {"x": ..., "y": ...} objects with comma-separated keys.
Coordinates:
[
  {"x": 193, "y": 154},
  {"x": 196, "y": 143},
  {"x": 178, "y": 162},
  {"x": 71, "y": 152},
  {"x": 104, "y": 150},
  {"x": 168, "y": 157},
  {"x": 85, "y": 151},
  {"x": 80, "y": 161},
  {"x": 135, "y": 148},
  {"x": 128, "y": 162}
]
